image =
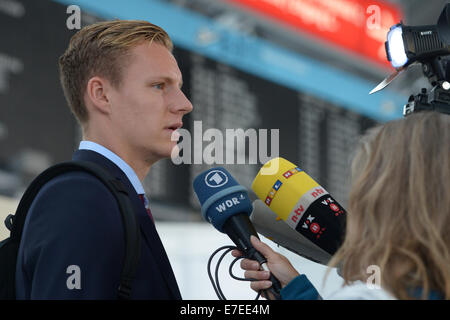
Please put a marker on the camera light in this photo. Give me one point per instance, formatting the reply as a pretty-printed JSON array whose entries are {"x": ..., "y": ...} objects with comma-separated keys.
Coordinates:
[{"x": 395, "y": 47}]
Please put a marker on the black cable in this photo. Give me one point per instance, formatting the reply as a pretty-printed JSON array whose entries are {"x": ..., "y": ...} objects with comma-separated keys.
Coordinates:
[
  {"x": 209, "y": 271},
  {"x": 215, "y": 282},
  {"x": 217, "y": 271},
  {"x": 277, "y": 296},
  {"x": 241, "y": 279},
  {"x": 231, "y": 273}
]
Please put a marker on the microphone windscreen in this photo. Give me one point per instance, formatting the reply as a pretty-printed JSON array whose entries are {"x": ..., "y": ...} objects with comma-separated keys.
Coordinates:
[
  {"x": 302, "y": 203},
  {"x": 281, "y": 190},
  {"x": 220, "y": 196}
]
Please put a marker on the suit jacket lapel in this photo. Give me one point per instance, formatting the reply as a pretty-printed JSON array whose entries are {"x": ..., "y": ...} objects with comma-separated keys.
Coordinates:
[{"x": 148, "y": 229}]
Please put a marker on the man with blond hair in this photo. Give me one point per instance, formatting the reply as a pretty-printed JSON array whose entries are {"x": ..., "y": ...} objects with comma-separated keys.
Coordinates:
[{"x": 123, "y": 85}]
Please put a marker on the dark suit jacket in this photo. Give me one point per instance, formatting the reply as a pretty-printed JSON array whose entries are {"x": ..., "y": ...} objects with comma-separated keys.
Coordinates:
[{"x": 74, "y": 229}]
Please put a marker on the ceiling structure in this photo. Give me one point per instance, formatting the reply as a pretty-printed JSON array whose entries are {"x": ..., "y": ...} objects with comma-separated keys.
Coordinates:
[{"x": 416, "y": 12}]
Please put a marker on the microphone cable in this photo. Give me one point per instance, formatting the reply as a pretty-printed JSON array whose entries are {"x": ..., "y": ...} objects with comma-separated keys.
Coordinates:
[{"x": 215, "y": 280}]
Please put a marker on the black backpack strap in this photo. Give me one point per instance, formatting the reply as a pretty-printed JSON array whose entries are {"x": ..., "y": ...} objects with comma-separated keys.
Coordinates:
[{"x": 131, "y": 227}]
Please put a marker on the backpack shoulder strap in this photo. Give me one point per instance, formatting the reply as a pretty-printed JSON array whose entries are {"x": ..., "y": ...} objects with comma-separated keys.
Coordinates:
[{"x": 131, "y": 226}]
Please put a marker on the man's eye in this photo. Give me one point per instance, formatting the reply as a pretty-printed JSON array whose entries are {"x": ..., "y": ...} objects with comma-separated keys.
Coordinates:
[{"x": 159, "y": 86}]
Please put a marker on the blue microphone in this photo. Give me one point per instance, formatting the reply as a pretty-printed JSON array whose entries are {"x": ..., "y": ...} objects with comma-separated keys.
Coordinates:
[{"x": 227, "y": 206}]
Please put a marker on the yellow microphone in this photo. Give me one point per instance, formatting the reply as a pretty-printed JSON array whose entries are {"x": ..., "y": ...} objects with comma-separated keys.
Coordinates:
[{"x": 302, "y": 203}]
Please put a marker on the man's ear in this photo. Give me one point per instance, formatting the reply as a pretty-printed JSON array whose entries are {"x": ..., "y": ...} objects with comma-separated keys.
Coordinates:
[{"x": 97, "y": 90}]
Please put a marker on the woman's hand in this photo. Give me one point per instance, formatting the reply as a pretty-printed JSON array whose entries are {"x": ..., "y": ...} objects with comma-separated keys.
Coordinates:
[{"x": 278, "y": 264}]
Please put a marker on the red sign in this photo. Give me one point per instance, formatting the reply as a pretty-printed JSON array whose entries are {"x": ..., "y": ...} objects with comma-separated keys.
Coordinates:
[
  {"x": 360, "y": 26},
  {"x": 287, "y": 174},
  {"x": 334, "y": 207},
  {"x": 315, "y": 227}
]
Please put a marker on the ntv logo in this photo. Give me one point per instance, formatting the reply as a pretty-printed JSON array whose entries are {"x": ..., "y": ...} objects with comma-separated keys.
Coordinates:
[{"x": 233, "y": 141}]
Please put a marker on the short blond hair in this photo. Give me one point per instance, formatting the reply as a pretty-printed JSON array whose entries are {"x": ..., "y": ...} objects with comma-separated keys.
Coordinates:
[
  {"x": 102, "y": 49},
  {"x": 399, "y": 207}
]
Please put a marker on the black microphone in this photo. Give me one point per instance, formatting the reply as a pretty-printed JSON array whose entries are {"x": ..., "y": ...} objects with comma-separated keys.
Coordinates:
[{"x": 227, "y": 206}]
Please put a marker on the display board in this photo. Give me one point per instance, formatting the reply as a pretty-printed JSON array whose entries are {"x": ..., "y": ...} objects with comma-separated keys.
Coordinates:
[
  {"x": 37, "y": 129},
  {"x": 316, "y": 135},
  {"x": 36, "y": 126}
]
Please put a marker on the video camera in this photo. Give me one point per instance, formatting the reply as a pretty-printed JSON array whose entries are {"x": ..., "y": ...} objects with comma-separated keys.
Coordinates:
[{"x": 430, "y": 46}]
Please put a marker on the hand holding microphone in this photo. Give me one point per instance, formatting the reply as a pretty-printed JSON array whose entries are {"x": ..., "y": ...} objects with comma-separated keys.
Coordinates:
[
  {"x": 278, "y": 264},
  {"x": 226, "y": 205}
]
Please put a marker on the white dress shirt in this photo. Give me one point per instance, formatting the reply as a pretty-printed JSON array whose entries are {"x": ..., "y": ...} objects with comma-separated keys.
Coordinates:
[{"x": 118, "y": 161}]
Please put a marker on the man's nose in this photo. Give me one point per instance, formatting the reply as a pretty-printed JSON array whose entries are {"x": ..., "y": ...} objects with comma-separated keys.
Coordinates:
[{"x": 181, "y": 103}]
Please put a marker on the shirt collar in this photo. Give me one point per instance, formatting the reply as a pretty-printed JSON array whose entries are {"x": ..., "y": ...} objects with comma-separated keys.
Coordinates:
[{"x": 118, "y": 161}]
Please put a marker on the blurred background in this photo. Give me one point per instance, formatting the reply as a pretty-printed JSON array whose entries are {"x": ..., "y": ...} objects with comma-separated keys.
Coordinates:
[{"x": 304, "y": 67}]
